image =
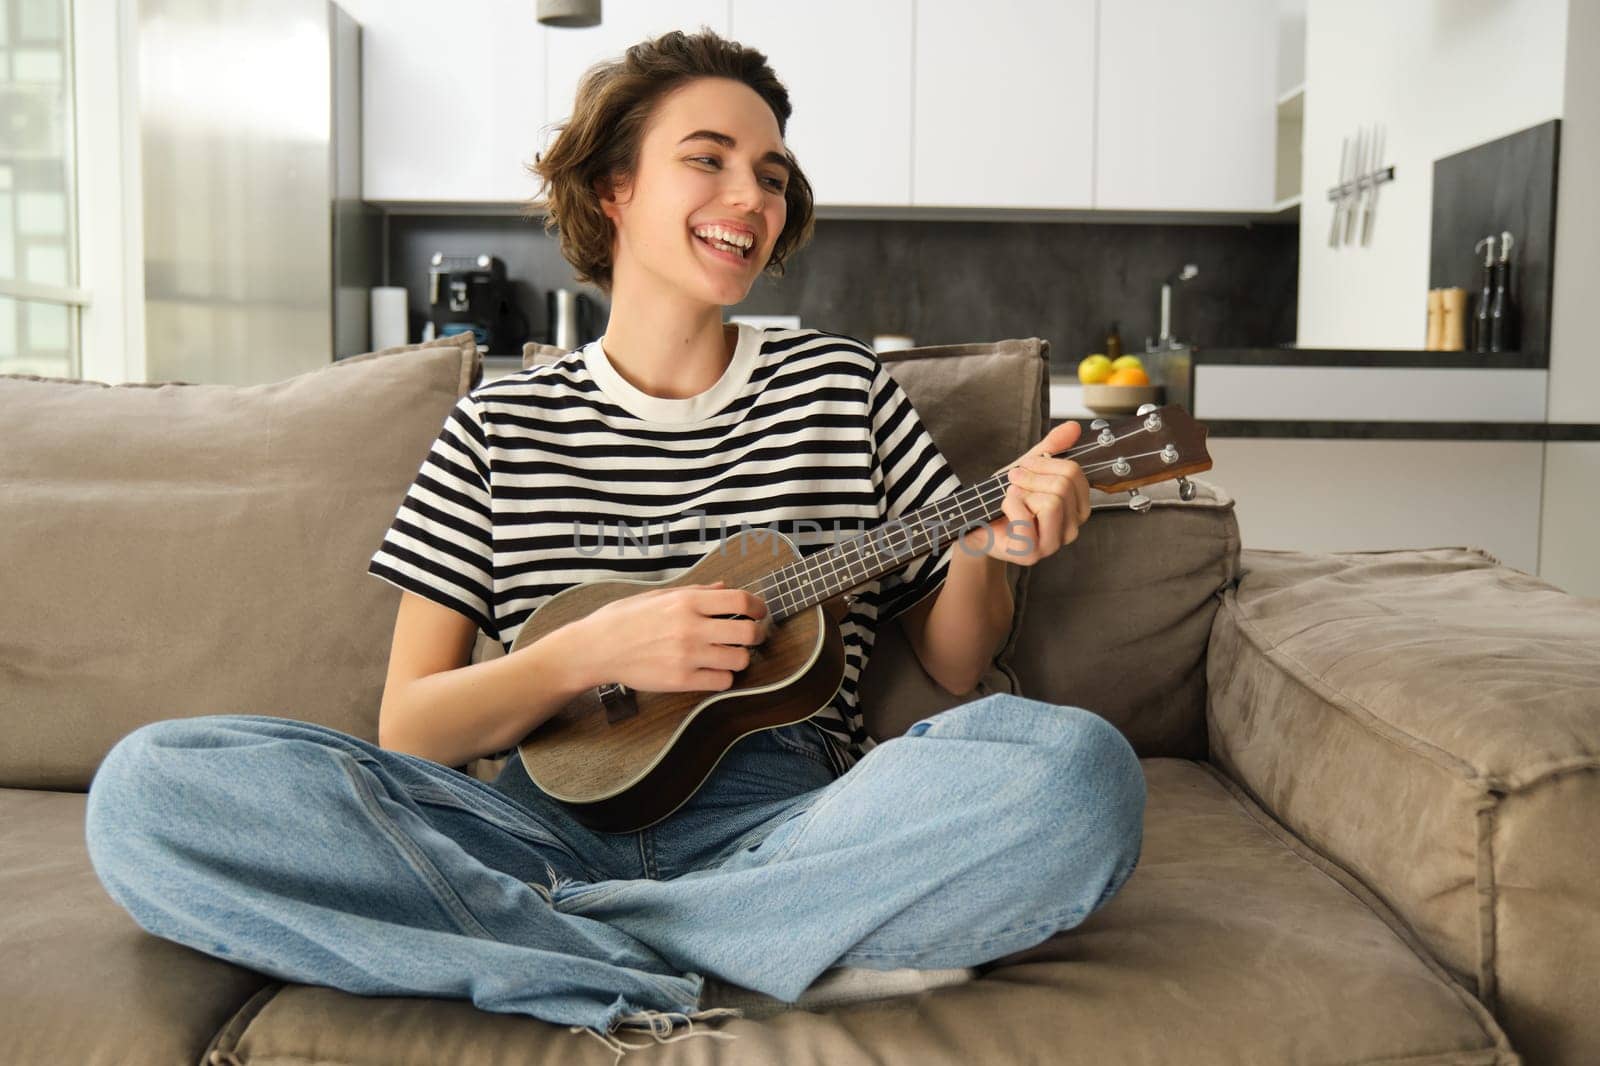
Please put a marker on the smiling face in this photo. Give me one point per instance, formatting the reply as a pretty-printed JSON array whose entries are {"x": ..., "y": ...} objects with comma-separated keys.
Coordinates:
[{"x": 711, "y": 159}]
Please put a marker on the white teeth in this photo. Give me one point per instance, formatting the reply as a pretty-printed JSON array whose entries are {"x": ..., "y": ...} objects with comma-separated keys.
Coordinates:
[{"x": 742, "y": 240}]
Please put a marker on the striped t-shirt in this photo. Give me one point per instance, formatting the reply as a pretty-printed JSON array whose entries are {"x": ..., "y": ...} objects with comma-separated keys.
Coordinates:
[{"x": 565, "y": 473}]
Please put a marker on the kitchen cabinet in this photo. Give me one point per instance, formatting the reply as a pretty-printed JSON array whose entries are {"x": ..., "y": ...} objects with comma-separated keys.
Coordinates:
[
  {"x": 1571, "y": 523},
  {"x": 450, "y": 109},
  {"x": 1186, "y": 116},
  {"x": 455, "y": 113},
  {"x": 1003, "y": 103},
  {"x": 851, "y": 92},
  {"x": 1374, "y": 495},
  {"x": 1076, "y": 105},
  {"x": 624, "y": 23},
  {"x": 1225, "y": 392}
]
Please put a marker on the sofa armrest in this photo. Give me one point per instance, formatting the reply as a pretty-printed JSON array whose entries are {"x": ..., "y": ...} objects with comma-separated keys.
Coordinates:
[{"x": 1431, "y": 721}]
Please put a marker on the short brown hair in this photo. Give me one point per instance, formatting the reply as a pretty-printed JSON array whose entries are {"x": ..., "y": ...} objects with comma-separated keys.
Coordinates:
[{"x": 601, "y": 142}]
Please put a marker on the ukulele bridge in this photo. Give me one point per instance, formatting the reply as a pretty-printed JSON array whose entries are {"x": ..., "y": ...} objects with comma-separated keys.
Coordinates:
[{"x": 619, "y": 702}]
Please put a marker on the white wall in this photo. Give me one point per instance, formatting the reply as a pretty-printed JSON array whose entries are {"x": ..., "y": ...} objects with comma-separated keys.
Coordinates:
[
  {"x": 1442, "y": 77},
  {"x": 1571, "y": 527},
  {"x": 1574, "y": 346}
]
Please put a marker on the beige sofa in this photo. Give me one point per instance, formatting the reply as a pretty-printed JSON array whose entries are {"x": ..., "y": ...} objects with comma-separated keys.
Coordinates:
[{"x": 1372, "y": 818}]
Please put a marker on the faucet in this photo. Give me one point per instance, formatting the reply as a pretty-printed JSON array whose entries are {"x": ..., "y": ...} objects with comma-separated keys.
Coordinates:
[{"x": 1166, "y": 341}]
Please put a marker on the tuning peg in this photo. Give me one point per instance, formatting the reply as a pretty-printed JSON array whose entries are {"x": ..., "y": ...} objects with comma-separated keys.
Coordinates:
[
  {"x": 1146, "y": 408},
  {"x": 1098, "y": 424},
  {"x": 1138, "y": 501},
  {"x": 1186, "y": 489}
]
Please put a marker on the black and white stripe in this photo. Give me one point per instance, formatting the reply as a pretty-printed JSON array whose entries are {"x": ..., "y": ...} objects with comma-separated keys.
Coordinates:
[{"x": 521, "y": 495}]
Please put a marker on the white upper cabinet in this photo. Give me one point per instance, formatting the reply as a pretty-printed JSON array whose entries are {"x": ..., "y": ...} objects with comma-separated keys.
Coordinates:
[
  {"x": 1003, "y": 103},
  {"x": 1122, "y": 105},
  {"x": 450, "y": 108},
  {"x": 623, "y": 23},
  {"x": 847, "y": 66},
  {"x": 1187, "y": 105}
]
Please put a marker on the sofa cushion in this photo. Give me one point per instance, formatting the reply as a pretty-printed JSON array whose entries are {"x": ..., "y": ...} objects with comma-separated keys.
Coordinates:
[
  {"x": 534, "y": 353},
  {"x": 81, "y": 982},
  {"x": 984, "y": 405},
  {"x": 1431, "y": 720},
  {"x": 1230, "y": 943},
  {"x": 1118, "y": 621},
  {"x": 202, "y": 549}
]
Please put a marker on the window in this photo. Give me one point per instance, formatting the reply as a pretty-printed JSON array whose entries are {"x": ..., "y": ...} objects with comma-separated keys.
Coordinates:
[{"x": 40, "y": 300}]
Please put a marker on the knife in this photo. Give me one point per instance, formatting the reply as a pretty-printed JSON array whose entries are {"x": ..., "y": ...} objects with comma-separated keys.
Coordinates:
[
  {"x": 1338, "y": 203},
  {"x": 1360, "y": 162},
  {"x": 1372, "y": 209},
  {"x": 1359, "y": 212}
]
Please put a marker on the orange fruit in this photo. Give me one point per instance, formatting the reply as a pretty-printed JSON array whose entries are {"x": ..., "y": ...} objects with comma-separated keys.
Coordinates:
[{"x": 1131, "y": 375}]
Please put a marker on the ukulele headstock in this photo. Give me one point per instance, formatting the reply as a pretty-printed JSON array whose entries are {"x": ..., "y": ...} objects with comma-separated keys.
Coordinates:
[{"x": 1156, "y": 444}]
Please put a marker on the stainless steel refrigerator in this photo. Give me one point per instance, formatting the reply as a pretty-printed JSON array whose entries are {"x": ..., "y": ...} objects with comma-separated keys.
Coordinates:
[{"x": 258, "y": 252}]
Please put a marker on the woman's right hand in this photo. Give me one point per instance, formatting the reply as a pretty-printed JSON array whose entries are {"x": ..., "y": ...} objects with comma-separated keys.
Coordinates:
[{"x": 673, "y": 639}]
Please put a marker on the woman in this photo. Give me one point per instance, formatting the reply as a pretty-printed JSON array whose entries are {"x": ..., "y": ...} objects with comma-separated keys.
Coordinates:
[{"x": 320, "y": 858}]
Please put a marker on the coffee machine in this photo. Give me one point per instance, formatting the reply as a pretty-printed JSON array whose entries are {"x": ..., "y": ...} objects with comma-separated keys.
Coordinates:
[{"x": 471, "y": 293}]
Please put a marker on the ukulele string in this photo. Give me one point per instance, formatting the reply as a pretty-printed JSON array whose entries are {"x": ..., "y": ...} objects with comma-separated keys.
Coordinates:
[
  {"x": 815, "y": 564},
  {"x": 990, "y": 494}
]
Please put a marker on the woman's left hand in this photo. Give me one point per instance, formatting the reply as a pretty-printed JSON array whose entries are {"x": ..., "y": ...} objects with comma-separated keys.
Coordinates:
[{"x": 1045, "y": 504}]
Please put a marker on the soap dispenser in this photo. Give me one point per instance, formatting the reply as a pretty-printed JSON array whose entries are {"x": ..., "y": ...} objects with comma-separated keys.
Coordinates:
[
  {"x": 1503, "y": 310},
  {"x": 1480, "y": 315}
]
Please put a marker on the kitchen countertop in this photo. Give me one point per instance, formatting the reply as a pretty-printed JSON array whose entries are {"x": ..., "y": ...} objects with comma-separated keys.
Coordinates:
[
  {"x": 1066, "y": 398},
  {"x": 1350, "y": 393},
  {"x": 1389, "y": 357},
  {"x": 498, "y": 366}
]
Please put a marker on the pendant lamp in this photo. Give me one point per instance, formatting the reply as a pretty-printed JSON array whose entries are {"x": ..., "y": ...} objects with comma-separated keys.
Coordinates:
[{"x": 572, "y": 14}]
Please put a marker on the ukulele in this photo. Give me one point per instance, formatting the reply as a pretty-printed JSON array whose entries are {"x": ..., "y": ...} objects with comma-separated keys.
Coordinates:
[{"x": 622, "y": 760}]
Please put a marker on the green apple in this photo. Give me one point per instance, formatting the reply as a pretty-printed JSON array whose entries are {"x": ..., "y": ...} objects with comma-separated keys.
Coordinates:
[
  {"x": 1095, "y": 369},
  {"x": 1126, "y": 361}
]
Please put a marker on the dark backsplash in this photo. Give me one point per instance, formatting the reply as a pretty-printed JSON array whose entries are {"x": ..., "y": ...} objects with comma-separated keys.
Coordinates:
[
  {"x": 953, "y": 282},
  {"x": 1507, "y": 184}
]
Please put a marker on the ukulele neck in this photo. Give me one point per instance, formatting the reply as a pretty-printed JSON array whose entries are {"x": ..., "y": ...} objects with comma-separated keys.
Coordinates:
[
  {"x": 1157, "y": 445},
  {"x": 881, "y": 550}
]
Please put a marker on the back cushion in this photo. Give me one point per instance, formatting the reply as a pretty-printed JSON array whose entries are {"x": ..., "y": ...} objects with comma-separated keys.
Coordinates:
[
  {"x": 534, "y": 353},
  {"x": 1118, "y": 621},
  {"x": 175, "y": 550},
  {"x": 984, "y": 405}
]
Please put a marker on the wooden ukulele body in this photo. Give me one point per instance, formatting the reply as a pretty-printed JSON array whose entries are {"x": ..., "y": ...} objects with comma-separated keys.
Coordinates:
[{"x": 622, "y": 764}]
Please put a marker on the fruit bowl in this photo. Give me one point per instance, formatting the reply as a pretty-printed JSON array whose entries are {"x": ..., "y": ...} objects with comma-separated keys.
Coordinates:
[{"x": 1120, "y": 399}]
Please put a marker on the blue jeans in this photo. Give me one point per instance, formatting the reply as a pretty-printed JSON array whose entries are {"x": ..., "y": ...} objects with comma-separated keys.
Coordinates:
[{"x": 316, "y": 857}]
